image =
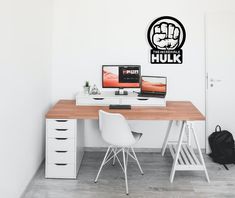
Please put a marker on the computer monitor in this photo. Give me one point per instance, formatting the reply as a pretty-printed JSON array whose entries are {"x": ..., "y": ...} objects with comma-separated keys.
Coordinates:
[{"x": 121, "y": 76}]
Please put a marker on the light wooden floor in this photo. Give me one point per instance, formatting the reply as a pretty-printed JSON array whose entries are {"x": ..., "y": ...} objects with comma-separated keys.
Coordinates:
[{"x": 154, "y": 183}]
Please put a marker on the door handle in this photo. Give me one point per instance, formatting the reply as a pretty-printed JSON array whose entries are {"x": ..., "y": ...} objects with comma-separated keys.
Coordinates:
[{"x": 215, "y": 80}]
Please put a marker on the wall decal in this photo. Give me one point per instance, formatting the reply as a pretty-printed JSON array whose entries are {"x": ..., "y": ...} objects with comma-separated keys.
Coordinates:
[{"x": 166, "y": 36}]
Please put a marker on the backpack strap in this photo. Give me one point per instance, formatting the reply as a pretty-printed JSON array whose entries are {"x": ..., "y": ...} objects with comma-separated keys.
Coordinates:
[
  {"x": 225, "y": 167},
  {"x": 216, "y": 128}
]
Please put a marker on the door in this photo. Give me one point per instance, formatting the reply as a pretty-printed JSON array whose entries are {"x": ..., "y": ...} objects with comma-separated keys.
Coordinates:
[{"x": 220, "y": 70}]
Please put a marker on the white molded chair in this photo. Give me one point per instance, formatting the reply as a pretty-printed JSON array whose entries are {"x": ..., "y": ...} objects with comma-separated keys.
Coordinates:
[{"x": 117, "y": 133}]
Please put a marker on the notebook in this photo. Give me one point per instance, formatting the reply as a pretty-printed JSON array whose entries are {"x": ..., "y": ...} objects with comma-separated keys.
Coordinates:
[{"x": 153, "y": 86}]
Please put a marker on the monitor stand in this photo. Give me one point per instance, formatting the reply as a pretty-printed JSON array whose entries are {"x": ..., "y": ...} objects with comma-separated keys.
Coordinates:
[{"x": 121, "y": 92}]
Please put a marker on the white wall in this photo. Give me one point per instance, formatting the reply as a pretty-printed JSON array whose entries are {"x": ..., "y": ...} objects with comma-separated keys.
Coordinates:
[
  {"x": 88, "y": 34},
  {"x": 25, "y": 59}
]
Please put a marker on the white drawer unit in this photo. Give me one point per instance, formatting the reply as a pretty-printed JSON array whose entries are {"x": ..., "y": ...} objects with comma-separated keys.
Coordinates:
[
  {"x": 61, "y": 124},
  {"x": 61, "y": 133},
  {"x": 140, "y": 101},
  {"x": 61, "y": 156},
  {"x": 97, "y": 101},
  {"x": 61, "y": 170},
  {"x": 108, "y": 98},
  {"x": 62, "y": 146}
]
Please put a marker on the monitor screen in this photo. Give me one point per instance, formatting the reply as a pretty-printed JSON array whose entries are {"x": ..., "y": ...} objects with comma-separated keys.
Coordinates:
[
  {"x": 153, "y": 84},
  {"x": 121, "y": 76}
]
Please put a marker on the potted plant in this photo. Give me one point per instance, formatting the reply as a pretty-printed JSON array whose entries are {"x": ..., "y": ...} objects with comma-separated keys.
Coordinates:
[{"x": 86, "y": 87}]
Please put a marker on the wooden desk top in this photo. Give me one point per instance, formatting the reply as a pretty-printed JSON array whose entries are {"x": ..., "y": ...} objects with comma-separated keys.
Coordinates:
[{"x": 174, "y": 110}]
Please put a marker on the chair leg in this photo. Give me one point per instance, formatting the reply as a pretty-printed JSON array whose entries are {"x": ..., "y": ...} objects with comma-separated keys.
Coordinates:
[
  {"x": 127, "y": 155},
  {"x": 103, "y": 162},
  {"x": 114, "y": 157},
  {"x": 137, "y": 161},
  {"x": 125, "y": 170}
]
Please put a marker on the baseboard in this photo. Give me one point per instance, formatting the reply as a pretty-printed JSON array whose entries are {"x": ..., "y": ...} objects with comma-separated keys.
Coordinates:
[
  {"x": 22, "y": 195},
  {"x": 138, "y": 150}
]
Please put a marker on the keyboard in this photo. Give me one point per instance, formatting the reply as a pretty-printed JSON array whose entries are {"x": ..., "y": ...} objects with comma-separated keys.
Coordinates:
[{"x": 118, "y": 106}]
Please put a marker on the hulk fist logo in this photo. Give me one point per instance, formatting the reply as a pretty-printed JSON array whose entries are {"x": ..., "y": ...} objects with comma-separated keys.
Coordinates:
[
  {"x": 166, "y": 33},
  {"x": 166, "y": 36}
]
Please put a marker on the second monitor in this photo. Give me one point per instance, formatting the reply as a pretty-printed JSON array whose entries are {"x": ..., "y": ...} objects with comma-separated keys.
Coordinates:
[{"x": 121, "y": 76}]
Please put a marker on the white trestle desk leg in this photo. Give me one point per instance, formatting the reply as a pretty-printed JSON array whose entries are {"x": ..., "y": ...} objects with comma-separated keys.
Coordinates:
[
  {"x": 199, "y": 151},
  {"x": 166, "y": 137},
  {"x": 176, "y": 157},
  {"x": 189, "y": 142}
]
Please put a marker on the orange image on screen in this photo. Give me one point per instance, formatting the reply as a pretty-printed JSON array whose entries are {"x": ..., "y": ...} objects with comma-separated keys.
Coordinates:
[
  {"x": 153, "y": 86},
  {"x": 112, "y": 80}
]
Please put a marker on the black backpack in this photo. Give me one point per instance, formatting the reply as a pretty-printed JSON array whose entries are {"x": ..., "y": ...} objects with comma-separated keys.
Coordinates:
[{"x": 222, "y": 146}]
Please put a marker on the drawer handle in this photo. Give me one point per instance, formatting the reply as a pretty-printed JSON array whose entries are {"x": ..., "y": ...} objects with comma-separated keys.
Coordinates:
[
  {"x": 60, "y": 164},
  {"x": 98, "y": 98},
  {"x": 61, "y": 120},
  {"x": 142, "y": 98},
  {"x": 61, "y": 129},
  {"x": 61, "y": 138},
  {"x": 61, "y": 151}
]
